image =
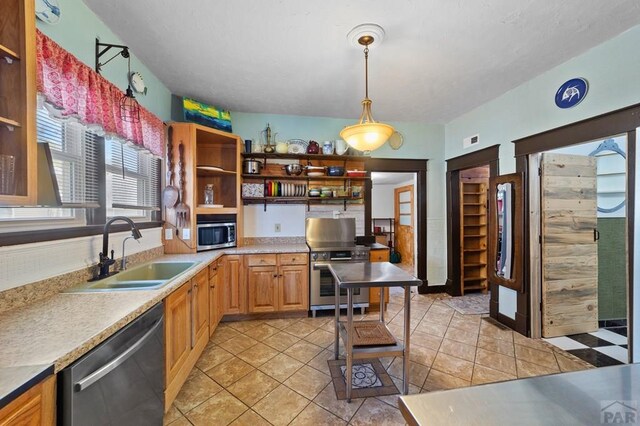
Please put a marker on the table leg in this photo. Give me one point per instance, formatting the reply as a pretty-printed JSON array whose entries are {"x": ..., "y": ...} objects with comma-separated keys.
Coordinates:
[
  {"x": 349, "y": 343},
  {"x": 407, "y": 334},
  {"x": 336, "y": 345},
  {"x": 381, "y": 304}
]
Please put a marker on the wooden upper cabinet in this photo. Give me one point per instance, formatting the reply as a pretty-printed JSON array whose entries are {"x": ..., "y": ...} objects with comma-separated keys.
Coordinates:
[
  {"x": 177, "y": 317},
  {"x": 200, "y": 300},
  {"x": 18, "y": 141},
  {"x": 234, "y": 288},
  {"x": 37, "y": 406},
  {"x": 210, "y": 157}
]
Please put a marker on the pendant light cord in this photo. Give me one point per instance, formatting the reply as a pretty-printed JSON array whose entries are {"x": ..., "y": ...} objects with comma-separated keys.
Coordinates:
[{"x": 366, "y": 72}]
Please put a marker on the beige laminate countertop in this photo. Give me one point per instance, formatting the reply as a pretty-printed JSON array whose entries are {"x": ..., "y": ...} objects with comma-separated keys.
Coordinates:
[{"x": 58, "y": 330}]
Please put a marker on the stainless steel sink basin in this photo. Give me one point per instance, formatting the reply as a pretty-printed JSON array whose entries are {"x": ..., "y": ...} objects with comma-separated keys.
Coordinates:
[{"x": 148, "y": 276}]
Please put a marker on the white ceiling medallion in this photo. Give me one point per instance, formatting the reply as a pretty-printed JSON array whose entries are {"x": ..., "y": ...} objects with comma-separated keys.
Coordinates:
[{"x": 374, "y": 30}]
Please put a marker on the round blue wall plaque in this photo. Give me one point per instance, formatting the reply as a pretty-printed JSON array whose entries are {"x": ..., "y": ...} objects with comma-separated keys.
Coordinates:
[{"x": 571, "y": 93}]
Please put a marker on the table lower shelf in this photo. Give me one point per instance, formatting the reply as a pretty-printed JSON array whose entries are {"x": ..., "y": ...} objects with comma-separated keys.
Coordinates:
[{"x": 364, "y": 352}]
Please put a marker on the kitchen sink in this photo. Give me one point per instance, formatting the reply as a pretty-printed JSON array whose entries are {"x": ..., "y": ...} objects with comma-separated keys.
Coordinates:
[{"x": 149, "y": 276}]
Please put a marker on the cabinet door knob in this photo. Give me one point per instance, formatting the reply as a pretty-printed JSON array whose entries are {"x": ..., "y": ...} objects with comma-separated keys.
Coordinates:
[{"x": 275, "y": 276}]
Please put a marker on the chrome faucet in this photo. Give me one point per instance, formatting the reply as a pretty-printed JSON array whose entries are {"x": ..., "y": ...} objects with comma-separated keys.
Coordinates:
[{"x": 106, "y": 261}]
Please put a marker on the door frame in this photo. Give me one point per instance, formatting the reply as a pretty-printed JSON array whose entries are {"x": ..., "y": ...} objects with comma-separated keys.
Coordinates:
[
  {"x": 487, "y": 156},
  {"x": 419, "y": 167},
  {"x": 621, "y": 121}
]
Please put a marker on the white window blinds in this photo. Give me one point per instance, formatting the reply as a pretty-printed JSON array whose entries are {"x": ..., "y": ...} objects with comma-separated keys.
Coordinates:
[
  {"x": 132, "y": 180},
  {"x": 74, "y": 152}
]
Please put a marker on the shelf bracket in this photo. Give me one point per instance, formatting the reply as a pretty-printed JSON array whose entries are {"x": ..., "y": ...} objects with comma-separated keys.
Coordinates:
[{"x": 8, "y": 59}]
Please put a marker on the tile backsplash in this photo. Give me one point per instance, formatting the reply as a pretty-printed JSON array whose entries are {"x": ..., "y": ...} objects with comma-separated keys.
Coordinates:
[{"x": 338, "y": 211}]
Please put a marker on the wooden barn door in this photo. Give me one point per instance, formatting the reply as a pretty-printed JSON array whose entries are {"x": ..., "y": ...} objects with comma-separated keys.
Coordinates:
[{"x": 569, "y": 245}]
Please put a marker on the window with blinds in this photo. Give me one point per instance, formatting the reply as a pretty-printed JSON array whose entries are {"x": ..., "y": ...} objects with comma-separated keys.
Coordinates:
[
  {"x": 74, "y": 151},
  {"x": 132, "y": 180}
]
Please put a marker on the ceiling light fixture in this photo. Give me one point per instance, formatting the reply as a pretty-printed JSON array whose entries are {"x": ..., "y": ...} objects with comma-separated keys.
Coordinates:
[
  {"x": 368, "y": 134},
  {"x": 129, "y": 106}
]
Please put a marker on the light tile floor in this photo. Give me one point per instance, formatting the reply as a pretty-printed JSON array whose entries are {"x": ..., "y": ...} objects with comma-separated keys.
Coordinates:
[{"x": 275, "y": 371}]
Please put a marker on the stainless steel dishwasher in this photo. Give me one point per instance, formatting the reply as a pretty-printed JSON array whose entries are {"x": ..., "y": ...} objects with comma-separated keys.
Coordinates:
[{"x": 120, "y": 382}]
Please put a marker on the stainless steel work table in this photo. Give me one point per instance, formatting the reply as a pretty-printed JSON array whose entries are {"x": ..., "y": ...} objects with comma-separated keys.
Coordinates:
[
  {"x": 589, "y": 397},
  {"x": 356, "y": 275}
]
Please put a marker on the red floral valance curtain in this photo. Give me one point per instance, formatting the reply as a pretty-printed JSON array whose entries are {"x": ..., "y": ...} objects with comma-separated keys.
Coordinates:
[{"x": 78, "y": 91}]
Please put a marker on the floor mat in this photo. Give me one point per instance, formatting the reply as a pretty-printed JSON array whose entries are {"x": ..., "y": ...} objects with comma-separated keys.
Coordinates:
[
  {"x": 369, "y": 379},
  {"x": 472, "y": 304}
]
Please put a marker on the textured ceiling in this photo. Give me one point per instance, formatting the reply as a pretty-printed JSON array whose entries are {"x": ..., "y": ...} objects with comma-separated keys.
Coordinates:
[{"x": 440, "y": 58}]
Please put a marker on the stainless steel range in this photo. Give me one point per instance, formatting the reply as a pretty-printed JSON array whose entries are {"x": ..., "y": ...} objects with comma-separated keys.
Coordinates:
[{"x": 332, "y": 240}]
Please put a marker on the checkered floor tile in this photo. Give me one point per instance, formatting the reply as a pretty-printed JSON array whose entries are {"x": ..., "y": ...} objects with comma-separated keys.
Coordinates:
[{"x": 607, "y": 346}]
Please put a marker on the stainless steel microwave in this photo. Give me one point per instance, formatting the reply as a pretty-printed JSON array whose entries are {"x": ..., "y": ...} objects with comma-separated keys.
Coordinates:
[{"x": 215, "y": 235}]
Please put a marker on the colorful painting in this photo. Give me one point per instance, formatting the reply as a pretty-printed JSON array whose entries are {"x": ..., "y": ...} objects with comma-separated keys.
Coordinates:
[{"x": 207, "y": 115}]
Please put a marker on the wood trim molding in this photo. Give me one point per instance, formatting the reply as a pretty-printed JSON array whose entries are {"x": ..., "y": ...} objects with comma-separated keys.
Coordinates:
[
  {"x": 474, "y": 159},
  {"x": 599, "y": 127}
]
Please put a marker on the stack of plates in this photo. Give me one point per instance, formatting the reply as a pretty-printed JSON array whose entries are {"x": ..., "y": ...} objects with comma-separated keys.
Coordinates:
[{"x": 282, "y": 189}]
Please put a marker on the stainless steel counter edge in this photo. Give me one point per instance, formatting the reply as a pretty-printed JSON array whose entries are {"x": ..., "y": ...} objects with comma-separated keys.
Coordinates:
[{"x": 30, "y": 347}]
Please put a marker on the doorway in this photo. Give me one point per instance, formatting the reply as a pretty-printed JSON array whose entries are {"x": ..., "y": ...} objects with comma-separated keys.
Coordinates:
[
  {"x": 404, "y": 216},
  {"x": 620, "y": 122},
  {"x": 417, "y": 169},
  {"x": 583, "y": 219},
  {"x": 393, "y": 211}
]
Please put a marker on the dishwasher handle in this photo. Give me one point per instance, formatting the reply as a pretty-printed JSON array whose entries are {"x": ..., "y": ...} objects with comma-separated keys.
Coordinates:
[{"x": 113, "y": 364}]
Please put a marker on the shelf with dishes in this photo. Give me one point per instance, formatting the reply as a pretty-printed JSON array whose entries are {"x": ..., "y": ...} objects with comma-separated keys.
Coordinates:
[
  {"x": 307, "y": 157},
  {"x": 272, "y": 191}
]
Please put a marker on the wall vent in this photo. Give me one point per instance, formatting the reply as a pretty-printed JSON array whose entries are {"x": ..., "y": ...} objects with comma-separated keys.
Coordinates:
[{"x": 470, "y": 141}]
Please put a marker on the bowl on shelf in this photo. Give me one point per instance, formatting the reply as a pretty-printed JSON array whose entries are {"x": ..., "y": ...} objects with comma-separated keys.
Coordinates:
[
  {"x": 315, "y": 171},
  {"x": 356, "y": 173},
  {"x": 314, "y": 192},
  {"x": 335, "y": 171},
  {"x": 293, "y": 169},
  {"x": 326, "y": 192}
]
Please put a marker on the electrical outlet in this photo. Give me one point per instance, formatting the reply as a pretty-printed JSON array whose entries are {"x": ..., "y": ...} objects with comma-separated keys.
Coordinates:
[
  {"x": 278, "y": 228},
  {"x": 186, "y": 234},
  {"x": 168, "y": 234}
]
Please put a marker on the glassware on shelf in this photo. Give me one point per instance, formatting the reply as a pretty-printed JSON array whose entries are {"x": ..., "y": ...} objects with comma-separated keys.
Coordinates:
[{"x": 208, "y": 194}]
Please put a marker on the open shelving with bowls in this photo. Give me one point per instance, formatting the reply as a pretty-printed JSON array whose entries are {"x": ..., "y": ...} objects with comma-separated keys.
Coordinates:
[
  {"x": 18, "y": 148},
  {"x": 348, "y": 189}
]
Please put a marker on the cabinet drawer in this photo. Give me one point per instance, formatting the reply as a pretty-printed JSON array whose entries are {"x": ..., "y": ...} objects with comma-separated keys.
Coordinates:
[
  {"x": 260, "y": 259},
  {"x": 379, "y": 255},
  {"x": 213, "y": 269},
  {"x": 294, "y": 258}
]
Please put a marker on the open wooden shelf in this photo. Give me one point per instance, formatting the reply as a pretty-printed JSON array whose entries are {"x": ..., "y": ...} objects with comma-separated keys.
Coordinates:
[
  {"x": 473, "y": 235},
  {"x": 9, "y": 122},
  {"x": 303, "y": 178},
  {"x": 203, "y": 172},
  {"x": 218, "y": 210},
  {"x": 318, "y": 157},
  {"x": 9, "y": 53}
]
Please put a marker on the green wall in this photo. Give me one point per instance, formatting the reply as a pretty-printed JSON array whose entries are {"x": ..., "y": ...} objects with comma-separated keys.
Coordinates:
[
  {"x": 612, "y": 269},
  {"x": 77, "y": 32}
]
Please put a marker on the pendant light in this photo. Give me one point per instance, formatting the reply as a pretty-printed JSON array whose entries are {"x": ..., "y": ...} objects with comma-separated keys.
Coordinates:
[
  {"x": 129, "y": 106},
  {"x": 368, "y": 134}
]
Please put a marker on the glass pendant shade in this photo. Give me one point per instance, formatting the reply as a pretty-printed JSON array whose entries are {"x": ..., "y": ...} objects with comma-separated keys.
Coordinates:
[{"x": 367, "y": 135}]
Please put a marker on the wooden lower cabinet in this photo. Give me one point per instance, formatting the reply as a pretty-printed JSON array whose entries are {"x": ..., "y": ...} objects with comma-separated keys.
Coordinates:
[
  {"x": 378, "y": 255},
  {"x": 186, "y": 316},
  {"x": 37, "y": 406},
  {"x": 263, "y": 288},
  {"x": 293, "y": 291},
  {"x": 216, "y": 276},
  {"x": 277, "y": 282},
  {"x": 234, "y": 299}
]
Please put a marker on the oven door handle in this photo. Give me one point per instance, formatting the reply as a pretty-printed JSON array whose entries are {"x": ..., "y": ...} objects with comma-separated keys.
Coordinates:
[
  {"x": 340, "y": 259},
  {"x": 319, "y": 266}
]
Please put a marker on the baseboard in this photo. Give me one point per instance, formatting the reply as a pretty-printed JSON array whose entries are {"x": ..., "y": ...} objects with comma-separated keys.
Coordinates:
[{"x": 431, "y": 289}]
